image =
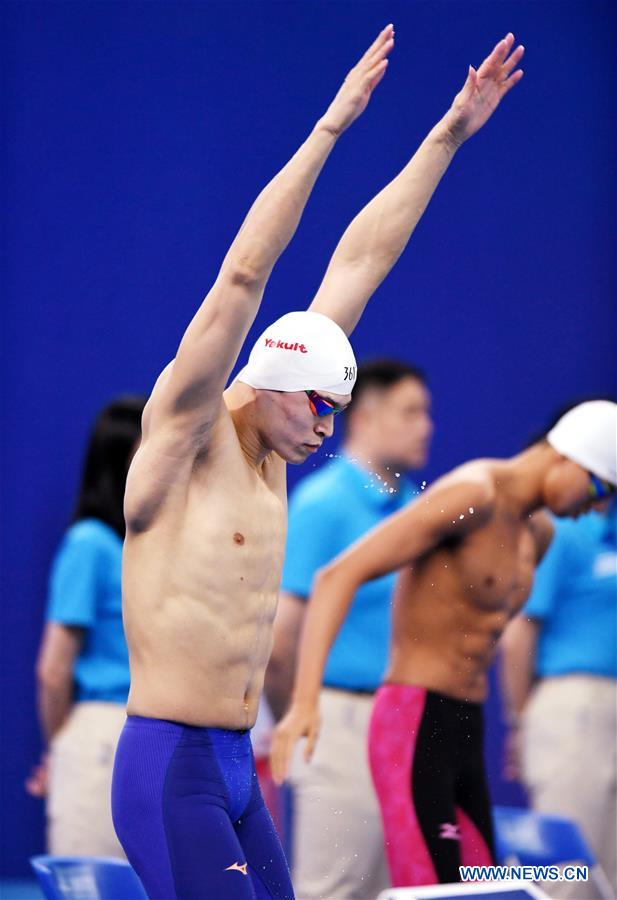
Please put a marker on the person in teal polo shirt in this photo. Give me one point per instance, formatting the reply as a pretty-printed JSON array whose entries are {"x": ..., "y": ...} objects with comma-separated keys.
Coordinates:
[
  {"x": 338, "y": 845},
  {"x": 83, "y": 667},
  {"x": 560, "y": 668}
]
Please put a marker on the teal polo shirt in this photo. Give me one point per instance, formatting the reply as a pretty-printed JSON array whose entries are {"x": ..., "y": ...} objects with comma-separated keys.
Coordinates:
[
  {"x": 328, "y": 511},
  {"x": 574, "y": 597},
  {"x": 85, "y": 591}
]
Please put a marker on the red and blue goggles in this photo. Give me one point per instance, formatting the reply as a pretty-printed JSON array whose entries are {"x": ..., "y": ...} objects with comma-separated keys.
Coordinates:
[{"x": 320, "y": 406}]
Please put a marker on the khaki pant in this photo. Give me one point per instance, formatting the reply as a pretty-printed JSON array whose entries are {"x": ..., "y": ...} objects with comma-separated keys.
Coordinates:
[
  {"x": 338, "y": 843},
  {"x": 81, "y": 759},
  {"x": 569, "y": 762}
]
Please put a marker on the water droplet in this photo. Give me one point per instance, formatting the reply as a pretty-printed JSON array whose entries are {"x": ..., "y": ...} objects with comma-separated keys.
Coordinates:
[{"x": 471, "y": 510}]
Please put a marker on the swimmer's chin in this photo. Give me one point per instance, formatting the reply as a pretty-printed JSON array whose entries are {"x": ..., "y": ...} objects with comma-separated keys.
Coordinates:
[
  {"x": 300, "y": 454},
  {"x": 570, "y": 510}
]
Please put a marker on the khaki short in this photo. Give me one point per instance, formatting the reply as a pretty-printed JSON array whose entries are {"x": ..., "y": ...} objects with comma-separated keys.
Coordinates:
[
  {"x": 338, "y": 843},
  {"x": 570, "y": 765},
  {"x": 81, "y": 759}
]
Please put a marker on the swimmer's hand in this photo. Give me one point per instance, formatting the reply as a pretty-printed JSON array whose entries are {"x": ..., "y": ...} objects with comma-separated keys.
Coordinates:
[
  {"x": 482, "y": 92},
  {"x": 301, "y": 720},
  {"x": 355, "y": 93}
]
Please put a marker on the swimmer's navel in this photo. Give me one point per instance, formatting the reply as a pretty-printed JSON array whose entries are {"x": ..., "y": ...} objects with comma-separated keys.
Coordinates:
[{"x": 238, "y": 538}]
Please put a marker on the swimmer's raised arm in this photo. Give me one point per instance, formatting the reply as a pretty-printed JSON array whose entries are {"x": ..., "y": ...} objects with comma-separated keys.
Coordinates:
[
  {"x": 450, "y": 508},
  {"x": 193, "y": 385},
  {"x": 378, "y": 235}
]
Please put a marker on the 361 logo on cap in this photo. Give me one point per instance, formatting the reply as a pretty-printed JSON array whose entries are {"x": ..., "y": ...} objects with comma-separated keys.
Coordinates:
[{"x": 285, "y": 345}]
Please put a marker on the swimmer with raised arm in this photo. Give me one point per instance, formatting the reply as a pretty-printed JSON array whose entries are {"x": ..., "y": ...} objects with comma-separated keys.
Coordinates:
[
  {"x": 206, "y": 505},
  {"x": 466, "y": 550}
]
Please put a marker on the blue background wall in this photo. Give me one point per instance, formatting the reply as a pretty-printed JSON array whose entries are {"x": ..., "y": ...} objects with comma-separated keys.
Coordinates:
[{"x": 139, "y": 134}]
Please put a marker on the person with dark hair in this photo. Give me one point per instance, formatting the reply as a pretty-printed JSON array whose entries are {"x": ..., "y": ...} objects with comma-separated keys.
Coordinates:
[
  {"x": 388, "y": 429},
  {"x": 113, "y": 444},
  {"x": 83, "y": 668},
  {"x": 206, "y": 503},
  {"x": 466, "y": 550}
]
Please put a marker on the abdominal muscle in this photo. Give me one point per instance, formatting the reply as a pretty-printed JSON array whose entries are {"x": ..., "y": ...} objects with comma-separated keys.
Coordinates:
[
  {"x": 450, "y": 671},
  {"x": 201, "y": 669},
  {"x": 445, "y": 640},
  {"x": 200, "y": 588}
]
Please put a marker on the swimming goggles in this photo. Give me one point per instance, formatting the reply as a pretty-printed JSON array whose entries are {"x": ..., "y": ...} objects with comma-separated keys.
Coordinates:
[
  {"x": 321, "y": 407},
  {"x": 599, "y": 488}
]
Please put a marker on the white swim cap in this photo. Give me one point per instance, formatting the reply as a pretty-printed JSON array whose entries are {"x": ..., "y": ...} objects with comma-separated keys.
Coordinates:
[
  {"x": 301, "y": 351},
  {"x": 587, "y": 435}
]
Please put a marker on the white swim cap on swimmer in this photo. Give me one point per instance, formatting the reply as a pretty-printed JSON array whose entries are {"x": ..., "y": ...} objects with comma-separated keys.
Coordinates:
[
  {"x": 587, "y": 435},
  {"x": 301, "y": 351}
]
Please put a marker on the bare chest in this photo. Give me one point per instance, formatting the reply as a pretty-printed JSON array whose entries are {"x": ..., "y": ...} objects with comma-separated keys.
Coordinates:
[
  {"x": 233, "y": 532},
  {"x": 219, "y": 539},
  {"x": 495, "y": 566}
]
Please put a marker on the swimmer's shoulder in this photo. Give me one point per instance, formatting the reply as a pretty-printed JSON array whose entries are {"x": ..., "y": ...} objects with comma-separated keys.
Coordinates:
[
  {"x": 471, "y": 486},
  {"x": 477, "y": 476},
  {"x": 168, "y": 460}
]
